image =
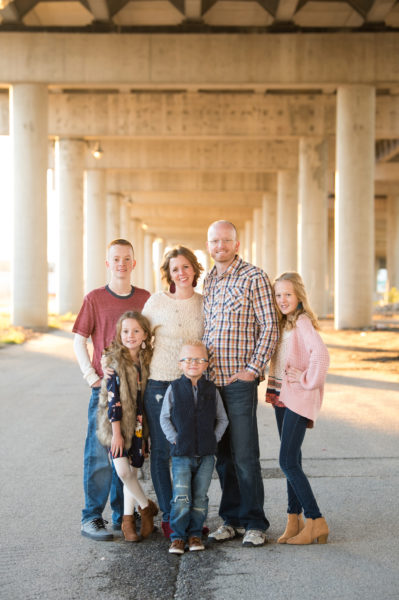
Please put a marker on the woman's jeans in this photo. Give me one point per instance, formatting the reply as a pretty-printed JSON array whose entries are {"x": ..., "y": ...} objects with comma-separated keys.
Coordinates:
[
  {"x": 238, "y": 463},
  {"x": 99, "y": 475},
  {"x": 189, "y": 508},
  {"x": 292, "y": 429},
  {"x": 160, "y": 447}
]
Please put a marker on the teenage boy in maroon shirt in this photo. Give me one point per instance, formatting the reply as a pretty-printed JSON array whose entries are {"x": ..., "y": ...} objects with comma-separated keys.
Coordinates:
[{"x": 97, "y": 319}]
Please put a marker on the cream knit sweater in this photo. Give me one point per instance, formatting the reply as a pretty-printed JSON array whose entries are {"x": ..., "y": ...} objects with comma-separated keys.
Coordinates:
[{"x": 174, "y": 322}]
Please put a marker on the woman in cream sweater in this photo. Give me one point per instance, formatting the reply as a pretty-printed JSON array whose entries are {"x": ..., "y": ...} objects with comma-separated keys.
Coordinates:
[{"x": 176, "y": 316}]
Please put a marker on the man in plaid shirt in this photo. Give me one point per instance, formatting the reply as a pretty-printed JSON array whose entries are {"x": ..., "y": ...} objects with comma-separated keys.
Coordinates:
[{"x": 241, "y": 333}]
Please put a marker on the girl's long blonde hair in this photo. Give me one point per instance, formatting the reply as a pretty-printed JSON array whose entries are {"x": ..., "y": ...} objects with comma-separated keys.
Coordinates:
[
  {"x": 116, "y": 346},
  {"x": 303, "y": 307}
]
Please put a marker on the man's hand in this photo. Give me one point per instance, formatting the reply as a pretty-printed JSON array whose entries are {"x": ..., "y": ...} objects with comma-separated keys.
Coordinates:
[{"x": 242, "y": 375}]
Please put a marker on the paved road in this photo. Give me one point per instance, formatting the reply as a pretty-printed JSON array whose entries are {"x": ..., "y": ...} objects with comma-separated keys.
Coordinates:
[{"x": 352, "y": 457}]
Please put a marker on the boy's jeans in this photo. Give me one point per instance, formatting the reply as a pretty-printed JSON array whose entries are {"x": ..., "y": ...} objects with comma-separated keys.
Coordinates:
[
  {"x": 99, "y": 476},
  {"x": 189, "y": 506}
]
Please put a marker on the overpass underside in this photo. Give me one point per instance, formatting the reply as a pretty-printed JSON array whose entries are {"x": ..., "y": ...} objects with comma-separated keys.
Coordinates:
[{"x": 293, "y": 137}]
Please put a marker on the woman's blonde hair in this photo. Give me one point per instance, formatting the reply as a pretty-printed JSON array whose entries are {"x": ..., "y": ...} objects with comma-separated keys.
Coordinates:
[
  {"x": 144, "y": 353},
  {"x": 303, "y": 307},
  {"x": 187, "y": 253}
]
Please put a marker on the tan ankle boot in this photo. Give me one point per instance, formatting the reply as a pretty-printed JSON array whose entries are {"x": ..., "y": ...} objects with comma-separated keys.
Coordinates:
[
  {"x": 294, "y": 525},
  {"x": 129, "y": 528},
  {"x": 314, "y": 529},
  {"x": 147, "y": 518}
]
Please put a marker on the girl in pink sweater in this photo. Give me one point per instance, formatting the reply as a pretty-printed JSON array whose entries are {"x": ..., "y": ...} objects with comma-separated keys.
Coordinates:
[{"x": 295, "y": 388}]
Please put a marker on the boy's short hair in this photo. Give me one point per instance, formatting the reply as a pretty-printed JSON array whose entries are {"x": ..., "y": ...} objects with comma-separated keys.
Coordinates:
[
  {"x": 197, "y": 344},
  {"x": 120, "y": 242}
]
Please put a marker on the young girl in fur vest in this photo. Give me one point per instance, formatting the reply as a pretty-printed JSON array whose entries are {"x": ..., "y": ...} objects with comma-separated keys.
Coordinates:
[
  {"x": 295, "y": 387},
  {"x": 121, "y": 423}
]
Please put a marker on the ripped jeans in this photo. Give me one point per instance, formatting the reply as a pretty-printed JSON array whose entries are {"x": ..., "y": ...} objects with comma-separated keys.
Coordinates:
[{"x": 189, "y": 505}]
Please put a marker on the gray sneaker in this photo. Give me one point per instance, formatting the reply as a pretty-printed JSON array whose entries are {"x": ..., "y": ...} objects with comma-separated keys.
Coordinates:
[
  {"x": 222, "y": 534},
  {"x": 96, "y": 530},
  {"x": 254, "y": 537}
]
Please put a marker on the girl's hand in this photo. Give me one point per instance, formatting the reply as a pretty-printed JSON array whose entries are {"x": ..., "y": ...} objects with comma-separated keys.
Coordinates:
[
  {"x": 144, "y": 449},
  {"x": 293, "y": 374},
  {"x": 117, "y": 444}
]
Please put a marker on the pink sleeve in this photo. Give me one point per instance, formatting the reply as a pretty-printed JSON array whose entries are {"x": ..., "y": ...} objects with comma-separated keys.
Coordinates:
[{"x": 314, "y": 376}]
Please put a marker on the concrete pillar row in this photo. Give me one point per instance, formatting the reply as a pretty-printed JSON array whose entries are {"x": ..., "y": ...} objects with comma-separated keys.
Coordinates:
[
  {"x": 313, "y": 220},
  {"x": 159, "y": 253},
  {"x": 69, "y": 165},
  {"x": 113, "y": 217},
  {"x": 138, "y": 245},
  {"x": 269, "y": 227},
  {"x": 95, "y": 238},
  {"x": 125, "y": 220},
  {"x": 28, "y": 128},
  {"x": 393, "y": 242},
  {"x": 257, "y": 237},
  {"x": 287, "y": 220},
  {"x": 149, "y": 274},
  {"x": 354, "y": 206}
]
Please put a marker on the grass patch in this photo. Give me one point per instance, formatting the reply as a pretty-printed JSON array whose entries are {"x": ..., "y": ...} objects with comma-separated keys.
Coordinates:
[{"x": 9, "y": 334}]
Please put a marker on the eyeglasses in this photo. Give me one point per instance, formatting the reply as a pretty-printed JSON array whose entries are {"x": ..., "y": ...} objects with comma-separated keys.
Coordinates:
[
  {"x": 194, "y": 361},
  {"x": 216, "y": 242}
]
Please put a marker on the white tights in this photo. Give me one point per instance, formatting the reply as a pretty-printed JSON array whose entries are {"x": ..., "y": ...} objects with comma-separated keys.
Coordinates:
[{"x": 132, "y": 490}]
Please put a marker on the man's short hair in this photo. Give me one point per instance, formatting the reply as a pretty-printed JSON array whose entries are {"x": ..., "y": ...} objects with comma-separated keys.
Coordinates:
[
  {"x": 120, "y": 242},
  {"x": 223, "y": 222}
]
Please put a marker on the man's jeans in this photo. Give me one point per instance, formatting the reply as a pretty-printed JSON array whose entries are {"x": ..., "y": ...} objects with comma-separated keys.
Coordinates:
[
  {"x": 189, "y": 507},
  {"x": 292, "y": 429},
  {"x": 238, "y": 463},
  {"x": 99, "y": 476},
  {"x": 160, "y": 447}
]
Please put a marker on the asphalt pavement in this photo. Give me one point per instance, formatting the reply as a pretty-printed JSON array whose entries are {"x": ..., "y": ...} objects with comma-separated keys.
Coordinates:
[{"x": 351, "y": 458}]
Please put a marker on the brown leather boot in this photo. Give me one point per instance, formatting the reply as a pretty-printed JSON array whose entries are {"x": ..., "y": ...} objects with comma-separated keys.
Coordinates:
[
  {"x": 314, "y": 529},
  {"x": 147, "y": 518},
  {"x": 129, "y": 528},
  {"x": 294, "y": 525}
]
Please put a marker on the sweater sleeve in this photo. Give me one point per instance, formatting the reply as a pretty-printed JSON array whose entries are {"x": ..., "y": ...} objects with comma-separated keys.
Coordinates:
[{"x": 314, "y": 376}]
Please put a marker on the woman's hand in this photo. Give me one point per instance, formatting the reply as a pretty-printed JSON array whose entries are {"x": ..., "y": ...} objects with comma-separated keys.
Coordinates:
[
  {"x": 293, "y": 375},
  {"x": 117, "y": 444}
]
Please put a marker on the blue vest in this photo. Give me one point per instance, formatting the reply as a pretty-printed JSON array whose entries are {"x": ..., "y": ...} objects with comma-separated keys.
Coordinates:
[{"x": 194, "y": 423}]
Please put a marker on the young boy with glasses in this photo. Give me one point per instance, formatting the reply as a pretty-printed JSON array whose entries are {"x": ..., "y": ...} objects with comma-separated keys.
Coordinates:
[{"x": 193, "y": 420}]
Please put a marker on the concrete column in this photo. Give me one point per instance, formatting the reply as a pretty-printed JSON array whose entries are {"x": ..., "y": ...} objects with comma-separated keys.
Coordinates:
[
  {"x": 257, "y": 237},
  {"x": 125, "y": 220},
  {"x": 149, "y": 278},
  {"x": 69, "y": 162},
  {"x": 28, "y": 129},
  {"x": 248, "y": 241},
  {"x": 269, "y": 227},
  {"x": 113, "y": 217},
  {"x": 287, "y": 221},
  {"x": 138, "y": 245},
  {"x": 331, "y": 238},
  {"x": 354, "y": 206},
  {"x": 95, "y": 238},
  {"x": 241, "y": 239},
  {"x": 313, "y": 221},
  {"x": 393, "y": 242},
  {"x": 159, "y": 252}
]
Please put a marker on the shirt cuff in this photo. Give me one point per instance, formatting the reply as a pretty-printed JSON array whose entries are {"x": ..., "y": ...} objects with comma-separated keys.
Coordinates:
[{"x": 91, "y": 377}]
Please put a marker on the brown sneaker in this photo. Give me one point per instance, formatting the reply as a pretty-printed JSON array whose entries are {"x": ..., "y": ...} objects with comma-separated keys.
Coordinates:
[
  {"x": 195, "y": 543},
  {"x": 177, "y": 547}
]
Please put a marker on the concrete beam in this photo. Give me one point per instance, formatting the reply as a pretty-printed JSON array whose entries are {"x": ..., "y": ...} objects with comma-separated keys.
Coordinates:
[
  {"x": 180, "y": 181},
  {"x": 387, "y": 172},
  {"x": 248, "y": 155},
  {"x": 245, "y": 200},
  {"x": 232, "y": 60}
]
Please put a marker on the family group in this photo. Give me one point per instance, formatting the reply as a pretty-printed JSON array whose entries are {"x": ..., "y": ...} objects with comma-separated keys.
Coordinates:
[{"x": 176, "y": 374}]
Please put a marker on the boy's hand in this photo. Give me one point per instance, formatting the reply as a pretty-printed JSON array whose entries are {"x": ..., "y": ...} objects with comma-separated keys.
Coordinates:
[
  {"x": 117, "y": 445},
  {"x": 108, "y": 372}
]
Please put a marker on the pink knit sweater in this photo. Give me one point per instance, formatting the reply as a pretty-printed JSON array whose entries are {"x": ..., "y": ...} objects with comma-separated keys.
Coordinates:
[{"x": 307, "y": 352}]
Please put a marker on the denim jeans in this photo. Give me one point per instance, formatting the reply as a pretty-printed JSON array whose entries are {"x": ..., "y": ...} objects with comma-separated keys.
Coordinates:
[
  {"x": 160, "y": 447},
  {"x": 189, "y": 507},
  {"x": 292, "y": 429},
  {"x": 238, "y": 463},
  {"x": 99, "y": 476}
]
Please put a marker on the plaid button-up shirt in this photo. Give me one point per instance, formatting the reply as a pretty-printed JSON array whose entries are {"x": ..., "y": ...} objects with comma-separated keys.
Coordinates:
[{"x": 241, "y": 329}]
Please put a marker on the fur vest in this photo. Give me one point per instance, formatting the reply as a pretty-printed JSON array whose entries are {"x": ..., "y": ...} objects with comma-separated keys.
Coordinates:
[{"x": 127, "y": 373}]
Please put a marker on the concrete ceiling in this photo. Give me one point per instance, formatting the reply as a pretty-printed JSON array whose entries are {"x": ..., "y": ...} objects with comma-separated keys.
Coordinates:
[{"x": 199, "y": 15}]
